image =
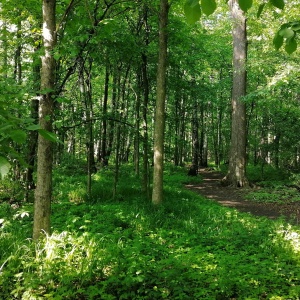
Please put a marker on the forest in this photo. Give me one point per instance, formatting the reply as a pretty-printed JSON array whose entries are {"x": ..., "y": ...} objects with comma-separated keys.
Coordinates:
[{"x": 111, "y": 112}]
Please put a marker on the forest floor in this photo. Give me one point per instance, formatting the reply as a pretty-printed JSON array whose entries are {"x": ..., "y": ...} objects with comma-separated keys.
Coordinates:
[{"x": 211, "y": 188}]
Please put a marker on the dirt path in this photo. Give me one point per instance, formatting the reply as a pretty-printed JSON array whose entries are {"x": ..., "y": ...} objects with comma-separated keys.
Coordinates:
[{"x": 235, "y": 198}]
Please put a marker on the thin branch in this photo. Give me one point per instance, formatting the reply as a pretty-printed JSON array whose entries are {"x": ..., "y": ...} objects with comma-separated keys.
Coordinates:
[{"x": 96, "y": 119}]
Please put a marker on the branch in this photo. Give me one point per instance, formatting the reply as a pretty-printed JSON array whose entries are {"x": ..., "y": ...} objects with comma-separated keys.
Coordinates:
[{"x": 96, "y": 119}]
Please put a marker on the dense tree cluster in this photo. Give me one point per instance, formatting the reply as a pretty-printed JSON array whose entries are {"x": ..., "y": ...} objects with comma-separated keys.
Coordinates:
[{"x": 90, "y": 72}]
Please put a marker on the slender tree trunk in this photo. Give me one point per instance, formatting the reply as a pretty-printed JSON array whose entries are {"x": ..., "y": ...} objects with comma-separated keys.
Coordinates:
[
  {"x": 195, "y": 136},
  {"x": 111, "y": 128},
  {"x": 276, "y": 142},
  {"x": 236, "y": 175},
  {"x": 145, "y": 182},
  {"x": 203, "y": 139},
  {"x": 137, "y": 125},
  {"x": 159, "y": 125},
  {"x": 43, "y": 192},
  {"x": 33, "y": 135},
  {"x": 85, "y": 85},
  {"x": 104, "y": 122},
  {"x": 17, "y": 58},
  {"x": 17, "y": 75},
  {"x": 5, "y": 49},
  {"x": 145, "y": 87}
]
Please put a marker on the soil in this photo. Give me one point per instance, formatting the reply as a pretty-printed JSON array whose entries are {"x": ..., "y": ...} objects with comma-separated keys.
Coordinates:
[{"x": 232, "y": 197}]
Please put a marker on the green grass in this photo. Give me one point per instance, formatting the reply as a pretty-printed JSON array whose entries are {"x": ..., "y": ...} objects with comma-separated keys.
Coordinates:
[
  {"x": 187, "y": 248},
  {"x": 275, "y": 186}
]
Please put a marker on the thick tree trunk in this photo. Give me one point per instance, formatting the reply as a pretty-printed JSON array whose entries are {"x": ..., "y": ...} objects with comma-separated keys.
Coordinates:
[
  {"x": 43, "y": 191},
  {"x": 236, "y": 175},
  {"x": 159, "y": 125}
]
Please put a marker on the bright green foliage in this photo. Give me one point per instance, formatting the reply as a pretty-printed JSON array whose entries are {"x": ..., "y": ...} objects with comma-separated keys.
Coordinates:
[
  {"x": 288, "y": 33},
  {"x": 127, "y": 249},
  {"x": 208, "y": 6},
  {"x": 192, "y": 11},
  {"x": 12, "y": 128},
  {"x": 4, "y": 166},
  {"x": 192, "y": 8}
]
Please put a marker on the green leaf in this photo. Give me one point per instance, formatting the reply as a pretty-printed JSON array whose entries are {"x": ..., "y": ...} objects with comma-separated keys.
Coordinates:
[
  {"x": 277, "y": 3},
  {"x": 208, "y": 6},
  {"x": 34, "y": 127},
  {"x": 18, "y": 136},
  {"x": 4, "y": 166},
  {"x": 192, "y": 11},
  {"x": 5, "y": 127},
  {"x": 260, "y": 10},
  {"x": 296, "y": 26},
  {"x": 286, "y": 33},
  {"x": 50, "y": 136},
  {"x": 290, "y": 46},
  {"x": 245, "y": 4},
  {"x": 278, "y": 41},
  {"x": 63, "y": 100}
]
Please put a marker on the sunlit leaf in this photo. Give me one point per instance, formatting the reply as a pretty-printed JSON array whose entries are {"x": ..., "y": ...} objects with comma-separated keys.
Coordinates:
[
  {"x": 245, "y": 4},
  {"x": 208, "y": 6},
  {"x": 286, "y": 33},
  {"x": 4, "y": 166},
  {"x": 192, "y": 11}
]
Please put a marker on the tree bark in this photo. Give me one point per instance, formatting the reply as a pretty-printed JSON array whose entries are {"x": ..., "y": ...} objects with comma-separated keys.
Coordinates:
[
  {"x": 159, "y": 125},
  {"x": 85, "y": 85},
  {"x": 104, "y": 159},
  {"x": 236, "y": 175},
  {"x": 43, "y": 191}
]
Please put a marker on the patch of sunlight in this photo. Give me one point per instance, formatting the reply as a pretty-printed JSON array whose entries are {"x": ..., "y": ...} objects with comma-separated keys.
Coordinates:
[
  {"x": 292, "y": 236},
  {"x": 97, "y": 176}
]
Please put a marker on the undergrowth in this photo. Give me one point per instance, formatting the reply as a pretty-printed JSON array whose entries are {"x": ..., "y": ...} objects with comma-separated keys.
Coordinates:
[
  {"x": 274, "y": 185},
  {"x": 186, "y": 248}
]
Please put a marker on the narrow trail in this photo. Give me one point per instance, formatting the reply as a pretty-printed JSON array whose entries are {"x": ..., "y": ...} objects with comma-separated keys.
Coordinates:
[{"x": 235, "y": 198}]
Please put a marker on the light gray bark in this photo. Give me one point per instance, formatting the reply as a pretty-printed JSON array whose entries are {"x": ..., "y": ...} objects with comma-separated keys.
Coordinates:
[
  {"x": 159, "y": 126},
  {"x": 43, "y": 190},
  {"x": 236, "y": 175}
]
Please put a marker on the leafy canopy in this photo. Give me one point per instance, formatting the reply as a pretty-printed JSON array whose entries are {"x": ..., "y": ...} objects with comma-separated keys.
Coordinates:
[{"x": 193, "y": 10}]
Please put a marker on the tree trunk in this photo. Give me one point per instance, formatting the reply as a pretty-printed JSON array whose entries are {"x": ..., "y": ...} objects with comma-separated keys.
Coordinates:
[
  {"x": 86, "y": 93},
  {"x": 195, "y": 136},
  {"x": 145, "y": 87},
  {"x": 33, "y": 134},
  {"x": 43, "y": 193},
  {"x": 159, "y": 125},
  {"x": 4, "y": 41},
  {"x": 104, "y": 122},
  {"x": 236, "y": 175},
  {"x": 137, "y": 125},
  {"x": 203, "y": 160}
]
